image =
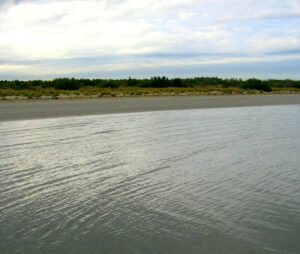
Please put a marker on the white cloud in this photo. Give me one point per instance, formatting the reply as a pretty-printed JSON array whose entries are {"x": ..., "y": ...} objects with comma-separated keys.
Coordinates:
[
  {"x": 56, "y": 30},
  {"x": 243, "y": 29},
  {"x": 187, "y": 15},
  {"x": 255, "y": 10},
  {"x": 277, "y": 44}
]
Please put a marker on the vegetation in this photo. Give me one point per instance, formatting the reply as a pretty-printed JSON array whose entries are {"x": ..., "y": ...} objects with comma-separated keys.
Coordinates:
[{"x": 136, "y": 87}]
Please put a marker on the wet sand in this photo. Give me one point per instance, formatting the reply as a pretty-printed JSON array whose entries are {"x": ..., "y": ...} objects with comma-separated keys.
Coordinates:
[{"x": 63, "y": 108}]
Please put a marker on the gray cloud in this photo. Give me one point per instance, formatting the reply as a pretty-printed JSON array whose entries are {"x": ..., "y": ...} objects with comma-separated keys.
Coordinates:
[{"x": 265, "y": 70}]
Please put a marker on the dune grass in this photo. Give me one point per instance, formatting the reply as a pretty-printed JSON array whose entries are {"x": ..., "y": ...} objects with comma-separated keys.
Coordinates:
[
  {"x": 65, "y": 88},
  {"x": 122, "y": 91}
]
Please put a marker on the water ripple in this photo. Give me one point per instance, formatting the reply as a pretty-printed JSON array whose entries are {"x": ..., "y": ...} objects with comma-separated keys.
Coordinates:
[{"x": 191, "y": 181}]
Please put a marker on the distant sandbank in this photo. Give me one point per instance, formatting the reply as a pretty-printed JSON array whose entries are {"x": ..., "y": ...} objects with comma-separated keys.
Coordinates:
[{"x": 63, "y": 108}]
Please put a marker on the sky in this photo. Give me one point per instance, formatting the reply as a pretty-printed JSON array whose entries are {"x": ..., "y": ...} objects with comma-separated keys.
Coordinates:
[{"x": 44, "y": 39}]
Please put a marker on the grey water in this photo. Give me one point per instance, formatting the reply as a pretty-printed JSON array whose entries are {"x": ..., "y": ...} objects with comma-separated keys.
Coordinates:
[{"x": 223, "y": 180}]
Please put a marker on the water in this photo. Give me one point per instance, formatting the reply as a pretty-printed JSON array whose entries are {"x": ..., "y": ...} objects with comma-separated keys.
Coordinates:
[{"x": 192, "y": 181}]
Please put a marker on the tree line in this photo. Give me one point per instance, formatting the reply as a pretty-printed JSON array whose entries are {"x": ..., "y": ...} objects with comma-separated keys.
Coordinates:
[{"x": 154, "y": 82}]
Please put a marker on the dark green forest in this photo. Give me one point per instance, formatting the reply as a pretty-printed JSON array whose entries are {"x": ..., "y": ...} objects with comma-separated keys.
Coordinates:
[{"x": 154, "y": 82}]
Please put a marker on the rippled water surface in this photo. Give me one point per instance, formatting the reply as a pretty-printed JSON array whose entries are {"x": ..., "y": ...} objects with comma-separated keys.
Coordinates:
[{"x": 191, "y": 181}]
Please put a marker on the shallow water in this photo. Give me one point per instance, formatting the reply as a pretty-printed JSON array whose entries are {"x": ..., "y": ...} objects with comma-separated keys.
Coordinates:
[{"x": 191, "y": 181}]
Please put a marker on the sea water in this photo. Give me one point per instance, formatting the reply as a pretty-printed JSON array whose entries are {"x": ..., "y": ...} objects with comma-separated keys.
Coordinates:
[{"x": 223, "y": 180}]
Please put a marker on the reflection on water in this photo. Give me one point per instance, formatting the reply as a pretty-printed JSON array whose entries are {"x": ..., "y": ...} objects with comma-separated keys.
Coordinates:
[{"x": 191, "y": 181}]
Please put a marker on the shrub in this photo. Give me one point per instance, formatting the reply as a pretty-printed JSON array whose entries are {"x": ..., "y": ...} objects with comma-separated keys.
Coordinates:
[
  {"x": 159, "y": 82},
  {"x": 177, "y": 82},
  {"x": 132, "y": 82},
  {"x": 256, "y": 84},
  {"x": 66, "y": 84},
  {"x": 108, "y": 84}
]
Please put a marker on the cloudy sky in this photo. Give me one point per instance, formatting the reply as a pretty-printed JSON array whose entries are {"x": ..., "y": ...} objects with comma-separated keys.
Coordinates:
[{"x": 142, "y": 38}]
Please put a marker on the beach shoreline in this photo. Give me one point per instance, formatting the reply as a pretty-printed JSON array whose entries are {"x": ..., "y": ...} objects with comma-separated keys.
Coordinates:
[{"x": 25, "y": 110}]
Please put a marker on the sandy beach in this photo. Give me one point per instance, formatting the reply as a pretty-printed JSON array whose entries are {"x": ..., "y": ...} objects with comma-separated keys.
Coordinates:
[{"x": 63, "y": 108}]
